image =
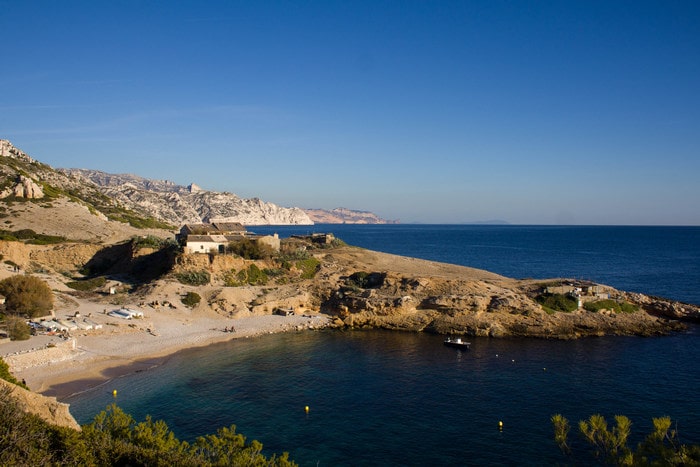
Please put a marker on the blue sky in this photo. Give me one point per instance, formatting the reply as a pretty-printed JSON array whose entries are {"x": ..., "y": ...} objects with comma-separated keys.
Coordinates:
[{"x": 542, "y": 112}]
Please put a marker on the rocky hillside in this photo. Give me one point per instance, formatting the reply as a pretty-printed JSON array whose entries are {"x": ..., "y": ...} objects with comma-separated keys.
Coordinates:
[
  {"x": 345, "y": 216},
  {"x": 177, "y": 204},
  {"x": 35, "y": 196},
  {"x": 125, "y": 199}
]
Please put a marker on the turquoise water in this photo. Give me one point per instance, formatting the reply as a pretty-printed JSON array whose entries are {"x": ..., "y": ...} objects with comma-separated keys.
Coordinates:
[{"x": 382, "y": 398}]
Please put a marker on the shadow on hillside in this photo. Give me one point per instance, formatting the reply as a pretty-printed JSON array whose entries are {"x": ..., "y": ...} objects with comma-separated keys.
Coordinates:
[{"x": 124, "y": 260}]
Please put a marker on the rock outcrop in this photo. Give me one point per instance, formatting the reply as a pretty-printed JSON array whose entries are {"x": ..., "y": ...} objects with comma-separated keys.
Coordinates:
[
  {"x": 48, "y": 408},
  {"x": 24, "y": 187}
]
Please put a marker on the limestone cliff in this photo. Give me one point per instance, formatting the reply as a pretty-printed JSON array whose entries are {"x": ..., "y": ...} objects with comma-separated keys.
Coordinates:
[
  {"x": 177, "y": 204},
  {"x": 345, "y": 216}
]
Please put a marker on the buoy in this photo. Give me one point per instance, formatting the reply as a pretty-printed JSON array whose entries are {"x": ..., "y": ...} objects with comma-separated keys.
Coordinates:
[
  {"x": 500, "y": 426},
  {"x": 306, "y": 409},
  {"x": 114, "y": 393}
]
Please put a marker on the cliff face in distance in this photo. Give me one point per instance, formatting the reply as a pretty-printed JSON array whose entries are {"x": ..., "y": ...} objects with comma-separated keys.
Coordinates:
[
  {"x": 345, "y": 216},
  {"x": 163, "y": 201},
  {"x": 178, "y": 204}
]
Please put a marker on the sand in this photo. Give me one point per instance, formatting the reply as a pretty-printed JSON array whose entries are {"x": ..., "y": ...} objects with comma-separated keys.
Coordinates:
[{"x": 56, "y": 366}]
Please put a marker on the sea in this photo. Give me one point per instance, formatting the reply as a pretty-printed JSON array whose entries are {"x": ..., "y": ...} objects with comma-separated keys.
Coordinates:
[{"x": 392, "y": 398}]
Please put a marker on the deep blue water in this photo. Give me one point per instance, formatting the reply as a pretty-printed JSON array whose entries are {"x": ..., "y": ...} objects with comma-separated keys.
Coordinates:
[{"x": 382, "y": 398}]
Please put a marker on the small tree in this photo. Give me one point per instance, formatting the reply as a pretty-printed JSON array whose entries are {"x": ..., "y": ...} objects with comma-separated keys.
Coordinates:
[
  {"x": 26, "y": 295},
  {"x": 18, "y": 329}
]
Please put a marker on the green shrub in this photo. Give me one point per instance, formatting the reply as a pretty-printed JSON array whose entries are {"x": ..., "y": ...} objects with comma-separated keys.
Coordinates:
[
  {"x": 309, "y": 267},
  {"x": 26, "y": 295},
  {"x": 194, "y": 277},
  {"x": 256, "y": 275},
  {"x": 191, "y": 299},
  {"x": 252, "y": 275},
  {"x": 557, "y": 302},
  {"x": 274, "y": 272},
  {"x": 294, "y": 255},
  {"x": 87, "y": 285},
  {"x": 609, "y": 304}
]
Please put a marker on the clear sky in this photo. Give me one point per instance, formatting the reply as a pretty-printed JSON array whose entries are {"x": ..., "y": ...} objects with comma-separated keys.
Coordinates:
[{"x": 532, "y": 112}]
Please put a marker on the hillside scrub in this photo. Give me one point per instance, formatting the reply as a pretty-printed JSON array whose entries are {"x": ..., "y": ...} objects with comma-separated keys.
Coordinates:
[
  {"x": 26, "y": 295},
  {"x": 194, "y": 277},
  {"x": 31, "y": 237}
]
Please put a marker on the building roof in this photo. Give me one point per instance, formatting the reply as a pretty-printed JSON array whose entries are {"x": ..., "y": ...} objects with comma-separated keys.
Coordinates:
[{"x": 216, "y": 228}]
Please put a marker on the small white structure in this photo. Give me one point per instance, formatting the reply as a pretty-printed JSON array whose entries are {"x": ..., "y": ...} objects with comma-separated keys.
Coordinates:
[
  {"x": 126, "y": 313},
  {"x": 70, "y": 325}
]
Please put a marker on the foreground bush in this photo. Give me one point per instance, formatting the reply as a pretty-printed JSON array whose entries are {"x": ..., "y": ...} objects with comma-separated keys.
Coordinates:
[
  {"x": 114, "y": 438},
  {"x": 610, "y": 445}
]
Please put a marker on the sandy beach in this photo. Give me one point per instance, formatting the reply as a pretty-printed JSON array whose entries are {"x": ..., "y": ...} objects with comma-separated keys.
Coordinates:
[{"x": 57, "y": 366}]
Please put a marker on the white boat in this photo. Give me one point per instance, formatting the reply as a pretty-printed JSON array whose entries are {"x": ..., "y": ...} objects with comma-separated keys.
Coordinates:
[{"x": 457, "y": 343}]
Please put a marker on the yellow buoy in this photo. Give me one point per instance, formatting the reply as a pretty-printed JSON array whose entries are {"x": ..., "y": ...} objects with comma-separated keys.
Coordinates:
[
  {"x": 500, "y": 425},
  {"x": 306, "y": 409},
  {"x": 114, "y": 393}
]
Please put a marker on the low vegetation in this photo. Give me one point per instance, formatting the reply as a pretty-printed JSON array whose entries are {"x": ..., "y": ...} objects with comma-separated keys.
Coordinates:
[
  {"x": 612, "y": 305},
  {"x": 87, "y": 285},
  {"x": 31, "y": 237},
  {"x": 308, "y": 267},
  {"x": 553, "y": 303},
  {"x": 195, "y": 278},
  {"x": 611, "y": 445}
]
